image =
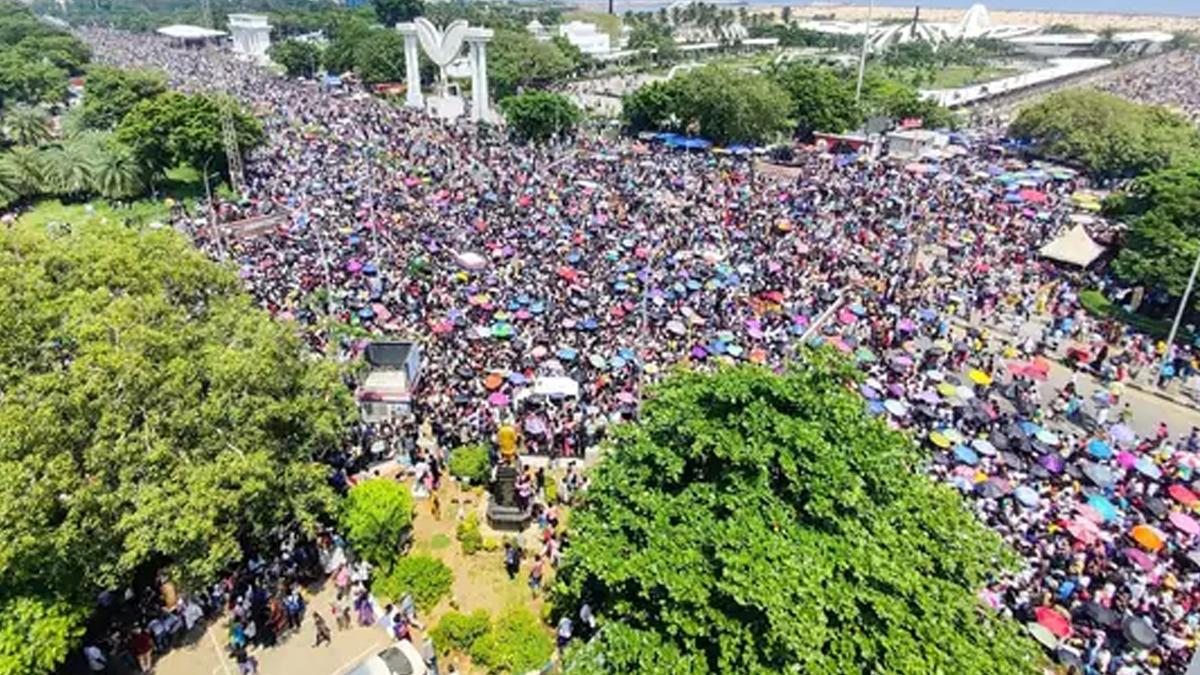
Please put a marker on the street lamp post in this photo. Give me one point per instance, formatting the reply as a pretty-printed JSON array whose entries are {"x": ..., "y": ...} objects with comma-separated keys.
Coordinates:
[
  {"x": 1187, "y": 293},
  {"x": 862, "y": 57}
]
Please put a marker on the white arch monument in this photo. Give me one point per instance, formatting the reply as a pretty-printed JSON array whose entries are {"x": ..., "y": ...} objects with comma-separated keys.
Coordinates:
[{"x": 443, "y": 46}]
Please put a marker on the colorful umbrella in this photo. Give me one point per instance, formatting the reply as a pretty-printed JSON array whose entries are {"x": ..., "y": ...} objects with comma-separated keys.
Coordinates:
[
  {"x": 1184, "y": 523},
  {"x": 1147, "y": 537},
  {"x": 1182, "y": 495},
  {"x": 493, "y": 382},
  {"x": 498, "y": 399},
  {"x": 1103, "y": 507},
  {"x": 1026, "y": 495},
  {"x": 1138, "y": 558},
  {"x": 1099, "y": 449},
  {"x": 979, "y": 377},
  {"x": 939, "y": 439},
  {"x": 1148, "y": 468},
  {"x": 1054, "y": 622},
  {"x": 966, "y": 455}
]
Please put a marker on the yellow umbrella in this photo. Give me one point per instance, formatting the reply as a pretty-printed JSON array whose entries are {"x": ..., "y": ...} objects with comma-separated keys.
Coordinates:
[
  {"x": 939, "y": 440},
  {"x": 980, "y": 377},
  {"x": 946, "y": 389}
]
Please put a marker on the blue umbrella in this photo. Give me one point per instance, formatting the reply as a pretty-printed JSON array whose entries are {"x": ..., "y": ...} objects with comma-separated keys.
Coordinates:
[
  {"x": 1099, "y": 449},
  {"x": 927, "y": 314},
  {"x": 693, "y": 285},
  {"x": 567, "y": 354},
  {"x": 1026, "y": 495},
  {"x": 868, "y": 392},
  {"x": 626, "y": 354},
  {"x": 537, "y": 308},
  {"x": 875, "y": 407},
  {"x": 1148, "y": 468},
  {"x": 716, "y": 348},
  {"x": 369, "y": 269},
  {"x": 574, "y": 258},
  {"x": 1029, "y": 428},
  {"x": 1104, "y": 507},
  {"x": 523, "y": 299},
  {"x": 617, "y": 363},
  {"x": 517, "y": 379},
  {"x": 858, "y": 310},
  {"x": 588, "y": 324},
  {"x": 366, "y": 313},
  {"x": 966, "y": 455}
]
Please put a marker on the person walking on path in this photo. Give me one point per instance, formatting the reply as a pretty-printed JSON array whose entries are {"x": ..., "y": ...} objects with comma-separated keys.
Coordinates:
[
  {"x": 535, "y": 575},
  {"x": 323, "y": 634}
]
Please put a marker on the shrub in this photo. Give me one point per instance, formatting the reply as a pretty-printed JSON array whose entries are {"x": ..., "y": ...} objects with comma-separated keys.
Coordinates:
[
  {"x": 468, "y": 534},
  {"x": 470, "y": 462},
  {"x": 426, "y": 578},
  {"x": 516, "y": 643},
  {"x": 551, "y": 491},
  {"x": 374, "y": 518},
  {"x": 491, "y": 544},
  {"x": 457, "y": 632}
]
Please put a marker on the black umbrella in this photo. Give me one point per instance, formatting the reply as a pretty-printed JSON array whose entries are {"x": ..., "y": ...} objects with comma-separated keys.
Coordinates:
[
  {"x": 1012, "y": 460},
  {"x": 1040, "y": 448},
  {"x": 989, "y": 490},
  {"x": 1038, "y": 471},
  {"x": 998, "y": 440},
  {"x": 1069, "y": 660},
  {"x": 1156, "y": 506},
  {"x": 1096, "y": 614},
  {"x": 1138, "y": 631}
]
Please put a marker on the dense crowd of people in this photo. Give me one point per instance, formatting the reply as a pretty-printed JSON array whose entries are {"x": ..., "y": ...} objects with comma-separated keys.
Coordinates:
[
  {"x": 605, "y": 261},
  {"x": 1167, "y": 80}
]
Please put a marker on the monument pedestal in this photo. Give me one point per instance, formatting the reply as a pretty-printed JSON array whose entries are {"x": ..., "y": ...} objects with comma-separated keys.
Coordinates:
[{"x": 503, "y": 511}]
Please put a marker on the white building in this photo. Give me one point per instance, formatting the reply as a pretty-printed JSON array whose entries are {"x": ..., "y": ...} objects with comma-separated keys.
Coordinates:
[
  {"x": 586, "y": 36},
  {"x": 251, "y": 35},
  {"x": 976, "y": 23}
]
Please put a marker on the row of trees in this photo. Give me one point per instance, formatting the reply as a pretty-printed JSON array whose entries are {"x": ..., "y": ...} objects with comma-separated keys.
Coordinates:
[
  {"x": 36, "y": 60},
  {"x": 128, "y": 132},
  {"x": 728, "y": 105}
]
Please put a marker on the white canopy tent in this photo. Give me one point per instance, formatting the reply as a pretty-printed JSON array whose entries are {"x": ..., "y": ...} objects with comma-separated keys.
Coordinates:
[
  {"x": 1074, "y": 246},
  {"x": 185, "y": 32}
]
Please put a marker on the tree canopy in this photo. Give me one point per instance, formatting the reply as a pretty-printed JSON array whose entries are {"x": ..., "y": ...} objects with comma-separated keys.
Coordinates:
[
  {"x": 152, "y": 418},
  {"x": 755, "y": 523},
  {"x": 538, "y": 115},
  {"x": 1162, "y": 210},
  {"x": 35, "y": 59},
  {"x": 110, "y": 93},
  {"x": 299, "y": 58},
  {"x": 1108, "y": 134},
  {"x": 392, "y": 12},
  {"x": 175, "y": 128},
  {"x": 822, "y": 100},
  {"x": 517, "y": 61}
]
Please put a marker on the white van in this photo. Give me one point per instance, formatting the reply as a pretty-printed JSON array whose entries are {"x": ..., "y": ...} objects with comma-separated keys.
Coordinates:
[{"x": 402, "y": 658}]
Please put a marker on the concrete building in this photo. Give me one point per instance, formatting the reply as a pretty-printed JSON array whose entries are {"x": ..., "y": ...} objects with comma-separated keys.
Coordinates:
[
  {"x": 251, "y": 35},
  {"x": 587, "y": 37}
]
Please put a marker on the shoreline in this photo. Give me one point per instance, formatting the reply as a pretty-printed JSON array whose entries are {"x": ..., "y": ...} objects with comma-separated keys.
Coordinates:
[{"x": 1087, "y": 21}]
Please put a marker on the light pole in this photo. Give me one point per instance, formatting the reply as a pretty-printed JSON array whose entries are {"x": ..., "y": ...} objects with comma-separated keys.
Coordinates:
[
  {"x": 1187, "y": 292},
  {"x": 862, "y": 57},
  {"x": 212, "y": 222}
]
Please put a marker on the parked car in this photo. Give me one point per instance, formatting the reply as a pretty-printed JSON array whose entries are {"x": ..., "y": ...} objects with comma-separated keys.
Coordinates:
[{"x": 401, "y": 658}]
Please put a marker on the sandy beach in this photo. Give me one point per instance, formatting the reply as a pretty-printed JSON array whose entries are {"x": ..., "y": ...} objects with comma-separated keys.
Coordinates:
[{"x": 1085, "y": 21}]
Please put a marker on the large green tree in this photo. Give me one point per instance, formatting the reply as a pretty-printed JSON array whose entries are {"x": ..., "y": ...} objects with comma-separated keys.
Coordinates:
[
  {"x": 517, "y": 61},
  {"x": 379, "y": 57},
  {"x": 392, "y": 12},
  {"x": 299, "y": 58},
  {"x": 175, "y": 128},
  {"x": 152, "y": 419},
  {"x": 538, "y": 115},
  {"x": 822, "y": 100},
  {"x": 1162, "y": 211},
  {"x": 651, "y": 107},
  {"x": 762, "y": 524},
  {"x": 110, "y": 93},
  {"x": 1106, "y": 133},
  {"x": 731, "y": 105}
]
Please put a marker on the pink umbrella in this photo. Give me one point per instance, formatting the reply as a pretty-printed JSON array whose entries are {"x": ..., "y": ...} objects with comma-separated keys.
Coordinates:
[
  {"x": 1139, "y": 558},
  {"x": 846, "y": 317},
  {"x": 523, "y": 314},
  {"x": 1090, "y": 513},
  {"x": 1126, "y": 460},
  {"x": 538, "y": 352},
  {"x": 625, "y": 397},
  {"x": 442, "y": 327},
  {"x": 1084, "y": 530},
  {"x": 381, "y": 312},
  {"x": 1184, "y": 522},
  {"x": 497, "y": 399}
]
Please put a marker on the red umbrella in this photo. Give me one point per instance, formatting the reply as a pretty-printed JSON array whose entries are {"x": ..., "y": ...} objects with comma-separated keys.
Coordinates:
[
  {"x": 1035, "y": 374},
  {"x": 1033, "y": 196},
  {"x": 1182, "y": 495},
  {"x": 1053, "y": 621}
]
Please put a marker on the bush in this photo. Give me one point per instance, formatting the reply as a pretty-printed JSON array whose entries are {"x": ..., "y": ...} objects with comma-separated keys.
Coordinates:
[
  {"x": 516, "y": 643},
  {"x": 374, "y": 517},
  {"x": 551, "y": 491},
  {"x": 471, "y": 462},
  {"x": 457, "y": 632},
  {"x": 426, "y": 578},
  {"x": 468, "y": 534}
]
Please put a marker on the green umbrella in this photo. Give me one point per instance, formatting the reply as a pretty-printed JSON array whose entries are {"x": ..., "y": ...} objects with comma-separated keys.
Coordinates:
[{"x": 865, "y": 355}]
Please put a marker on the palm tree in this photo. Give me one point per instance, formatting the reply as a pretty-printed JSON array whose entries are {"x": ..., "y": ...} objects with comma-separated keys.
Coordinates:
[
  {"x": 786, "y": 15},
  {"x": 9, "y": 189},
  {"x": 23, "y": 166},
  {"x": 68, "y": 170},
  {"x": 27, "y": 125},
  {"x": 116, "y": 173}
]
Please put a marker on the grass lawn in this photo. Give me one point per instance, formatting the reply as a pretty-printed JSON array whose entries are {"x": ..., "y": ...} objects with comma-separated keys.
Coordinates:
[
  {"x": 1097, "y": 305},
  {"x": 962, "y": 76},
  {"x": 183, "y": 184}
]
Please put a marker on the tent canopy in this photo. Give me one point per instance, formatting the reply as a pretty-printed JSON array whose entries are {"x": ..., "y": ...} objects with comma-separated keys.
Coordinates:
[
  {"x": 183, "y": 32},
  {"x": 1073, "y": 246}
]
